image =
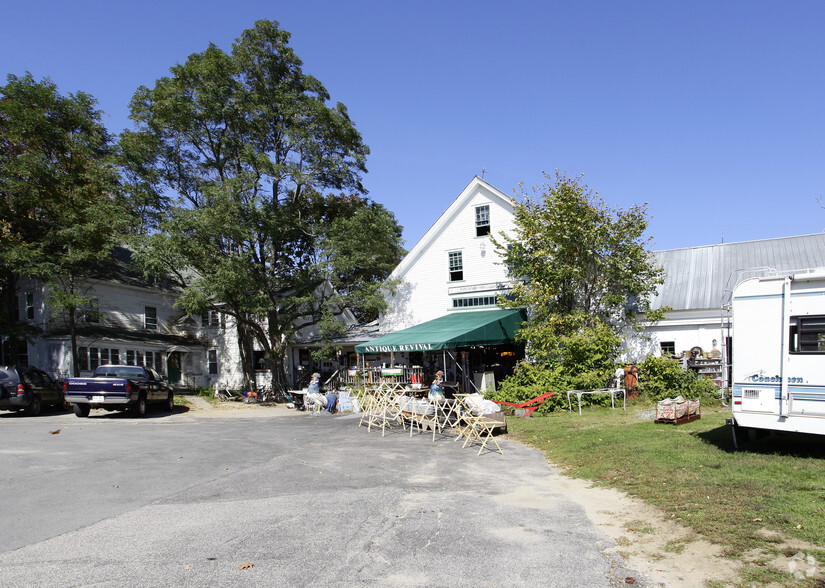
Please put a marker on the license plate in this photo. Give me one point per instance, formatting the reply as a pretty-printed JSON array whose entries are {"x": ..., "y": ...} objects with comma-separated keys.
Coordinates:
[{"x": 98, "y": 398}]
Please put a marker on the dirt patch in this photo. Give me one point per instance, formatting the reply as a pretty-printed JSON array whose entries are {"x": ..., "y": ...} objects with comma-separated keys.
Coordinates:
[
  {"x": 202, "y": 407},
  {"x": 667, "y": 552}
]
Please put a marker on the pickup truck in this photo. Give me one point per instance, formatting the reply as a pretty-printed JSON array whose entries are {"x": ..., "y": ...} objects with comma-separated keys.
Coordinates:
[{"x": 118, "y": 387}]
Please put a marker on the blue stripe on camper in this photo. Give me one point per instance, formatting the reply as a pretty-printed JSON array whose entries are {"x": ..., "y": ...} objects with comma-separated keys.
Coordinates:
[{"x": 799, "y": 392}]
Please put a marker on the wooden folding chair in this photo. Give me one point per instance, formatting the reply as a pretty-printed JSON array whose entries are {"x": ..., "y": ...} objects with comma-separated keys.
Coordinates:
[
  {"x": 477, "y": 427},
  {"x": 366, "y": 401},
  {"x": 445, "y": 414},
  {"x": 386, "y": 411},
  {"x": 420, "y": 413}
]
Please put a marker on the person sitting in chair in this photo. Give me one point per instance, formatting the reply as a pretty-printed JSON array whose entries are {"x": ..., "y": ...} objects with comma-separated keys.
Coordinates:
[
  {"x": 436, "y": 389},
  {"x": 314, "y": 396}
]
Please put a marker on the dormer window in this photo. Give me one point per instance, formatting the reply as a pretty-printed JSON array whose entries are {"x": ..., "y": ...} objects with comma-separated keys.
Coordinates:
[
  {"x": 456, "y": 266},
  {"x": 482, "y": 220}
]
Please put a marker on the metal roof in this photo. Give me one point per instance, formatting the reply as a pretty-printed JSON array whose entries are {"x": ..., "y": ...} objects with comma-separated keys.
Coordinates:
[{"x": 703, "y": 277}]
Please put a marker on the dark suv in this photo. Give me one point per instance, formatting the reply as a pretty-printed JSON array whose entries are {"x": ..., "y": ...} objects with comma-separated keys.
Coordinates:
[{"x": 29, "y": 389}]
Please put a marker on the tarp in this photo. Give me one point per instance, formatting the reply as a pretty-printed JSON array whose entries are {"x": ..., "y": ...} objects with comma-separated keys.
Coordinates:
[{"x": 459, "y": 329}]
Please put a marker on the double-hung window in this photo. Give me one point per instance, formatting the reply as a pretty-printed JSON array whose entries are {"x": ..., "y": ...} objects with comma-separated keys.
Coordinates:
[
  {"x": 30, "y": 306},
  {"x": 213, "y": 361},
  {"x": 150, "y": 318},
  {"x": 83, "y": 358},
  {"x": 91, "y": 312},
  {"x": 482, "y": 220},
  {"x": 456, "y": 266},
  {"x": 211, "y": 318}
]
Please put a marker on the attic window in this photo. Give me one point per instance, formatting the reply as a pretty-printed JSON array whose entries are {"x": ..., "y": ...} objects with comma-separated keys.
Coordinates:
[{"x": 482, "y": 220}]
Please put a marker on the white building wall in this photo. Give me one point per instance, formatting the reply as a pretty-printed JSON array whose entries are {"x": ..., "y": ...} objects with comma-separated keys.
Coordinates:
[
  {"x": 121, "y": 306},
  {"x": 686, "y": 329},
  {"x": 426, "y": 292}
]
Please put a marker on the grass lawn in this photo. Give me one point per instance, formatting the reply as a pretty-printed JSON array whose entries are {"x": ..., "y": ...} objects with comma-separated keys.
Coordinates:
[{"x": 738, "y": 499}]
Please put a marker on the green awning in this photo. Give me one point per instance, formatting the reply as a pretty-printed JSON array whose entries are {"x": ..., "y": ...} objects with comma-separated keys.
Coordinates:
[{"x": 459, "y": 329}]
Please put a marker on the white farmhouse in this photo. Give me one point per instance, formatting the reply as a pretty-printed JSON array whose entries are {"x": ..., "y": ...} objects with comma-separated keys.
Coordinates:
[
  {"x": 130, "y": 321},
  {"x": 444, "y": 313}
]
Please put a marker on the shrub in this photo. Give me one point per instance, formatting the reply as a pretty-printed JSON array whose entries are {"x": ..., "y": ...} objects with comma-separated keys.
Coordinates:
[
  {"x": 663, "y": 377},
  {"x": 534, "y": 379}
]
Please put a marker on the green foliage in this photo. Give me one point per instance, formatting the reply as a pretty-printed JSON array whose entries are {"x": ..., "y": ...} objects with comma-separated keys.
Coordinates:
[
  {"x": 60, "y": 208},
  {"x": 584, "y": 273},
  {"x": 663, "y": 377},
  {"x": 249, "y": 148},
  {"x": 530, "y": 380}
]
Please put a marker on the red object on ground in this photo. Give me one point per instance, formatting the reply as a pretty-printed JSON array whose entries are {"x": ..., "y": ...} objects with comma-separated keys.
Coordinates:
[{"x": 528, "y": 410}]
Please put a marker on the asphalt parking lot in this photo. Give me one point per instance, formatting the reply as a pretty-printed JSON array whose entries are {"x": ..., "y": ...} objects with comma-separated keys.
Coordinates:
[{"x": 281, "y": 499}]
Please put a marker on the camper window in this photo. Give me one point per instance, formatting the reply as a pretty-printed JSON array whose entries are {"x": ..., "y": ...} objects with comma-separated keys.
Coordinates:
[{"x": 807, "y": 334}]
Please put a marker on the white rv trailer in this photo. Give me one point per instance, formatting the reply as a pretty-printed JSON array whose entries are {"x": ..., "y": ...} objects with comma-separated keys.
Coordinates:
[{"x": 779, "y": 354}]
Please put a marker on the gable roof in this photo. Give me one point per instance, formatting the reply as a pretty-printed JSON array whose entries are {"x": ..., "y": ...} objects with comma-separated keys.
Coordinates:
[
  {"x": 475, "y": 186},
  {"x": 120, "y": 268},
  {"x": 703, "y": 277}
]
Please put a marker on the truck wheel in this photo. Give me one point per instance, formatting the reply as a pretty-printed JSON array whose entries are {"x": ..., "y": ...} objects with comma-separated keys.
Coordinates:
[
  {"x": 82, "y": 410},
  {"x": 140, "y": 407},
  {"x": 170, "y": 402},
  {"x": 33, "y": 409}
]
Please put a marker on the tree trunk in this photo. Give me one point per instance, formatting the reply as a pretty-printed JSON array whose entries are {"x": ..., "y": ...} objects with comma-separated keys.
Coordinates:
[
  {"x": 246, "y": 348},
  {"x": 73, "y": 337},
  {"x": 277, "y": 350}
]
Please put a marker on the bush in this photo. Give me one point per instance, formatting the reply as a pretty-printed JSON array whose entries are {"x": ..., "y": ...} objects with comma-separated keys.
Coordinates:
[
  {"x": 663, "y": 377},
  {"x": 530, "y": 380}
]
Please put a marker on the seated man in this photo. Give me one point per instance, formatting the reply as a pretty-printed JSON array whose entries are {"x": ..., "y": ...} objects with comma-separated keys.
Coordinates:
[{"x": 314, "y": 397}]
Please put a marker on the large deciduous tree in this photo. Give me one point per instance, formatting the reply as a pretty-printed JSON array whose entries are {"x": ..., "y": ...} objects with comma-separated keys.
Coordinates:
[
  {"x": 59, "y": 204},
  {"x": 584, "y": 272},
  {"x": 268, "y": 216}
]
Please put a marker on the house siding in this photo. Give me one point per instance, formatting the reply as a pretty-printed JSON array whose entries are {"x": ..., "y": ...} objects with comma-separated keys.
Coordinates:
[{"x": 426, "y": 291}]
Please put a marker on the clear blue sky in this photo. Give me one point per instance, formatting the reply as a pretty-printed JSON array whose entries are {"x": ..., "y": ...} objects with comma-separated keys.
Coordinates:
[{"x": 712, "y": 112}]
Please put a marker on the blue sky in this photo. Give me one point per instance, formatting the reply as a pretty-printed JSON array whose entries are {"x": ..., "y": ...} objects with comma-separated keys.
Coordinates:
[{"x": 712, "y": 112}]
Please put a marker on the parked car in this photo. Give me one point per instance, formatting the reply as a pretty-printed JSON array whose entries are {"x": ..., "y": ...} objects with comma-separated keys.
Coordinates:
[
  {"x": 29, "y": 389},
  {"x": 119, "y": 387}
]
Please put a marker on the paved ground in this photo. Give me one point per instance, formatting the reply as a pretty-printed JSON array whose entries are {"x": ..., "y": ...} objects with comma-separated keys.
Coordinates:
[{"x": 189, "y": 498}]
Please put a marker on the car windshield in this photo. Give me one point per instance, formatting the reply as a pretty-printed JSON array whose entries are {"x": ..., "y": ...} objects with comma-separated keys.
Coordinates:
[{"x": 114, "y": 371}]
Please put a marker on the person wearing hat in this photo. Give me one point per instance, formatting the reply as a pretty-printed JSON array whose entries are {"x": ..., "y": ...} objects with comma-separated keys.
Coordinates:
[
  {"x": 436, "y": 389},
  {"x": 314, "y": 396}
]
